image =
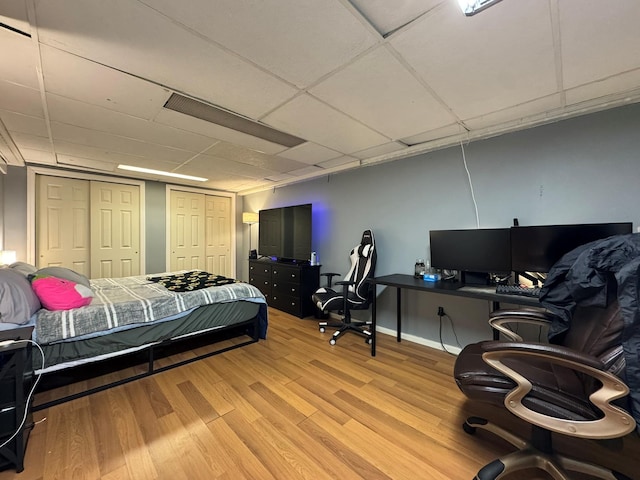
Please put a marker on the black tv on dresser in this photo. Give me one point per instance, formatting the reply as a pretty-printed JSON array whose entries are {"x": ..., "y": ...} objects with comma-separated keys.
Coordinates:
[{"x": 285, "y": 233}]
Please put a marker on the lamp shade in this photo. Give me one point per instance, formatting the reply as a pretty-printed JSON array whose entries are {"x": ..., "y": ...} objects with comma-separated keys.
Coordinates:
[
  {"x": 7, "y": 257},
  {"x": 249, "y": 217}
]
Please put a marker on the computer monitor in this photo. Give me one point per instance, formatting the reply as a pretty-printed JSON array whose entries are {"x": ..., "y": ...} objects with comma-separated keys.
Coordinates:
[
  {"x": 537, "y": 248},
  {"x": 485, "y": 250}
]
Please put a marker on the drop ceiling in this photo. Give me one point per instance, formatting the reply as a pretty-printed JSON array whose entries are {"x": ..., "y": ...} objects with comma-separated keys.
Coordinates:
[{"x": 83, "y": 84}]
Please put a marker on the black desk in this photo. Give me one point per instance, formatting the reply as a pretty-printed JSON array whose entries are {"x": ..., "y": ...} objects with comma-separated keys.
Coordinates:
[{"x": 409, "y": 282}]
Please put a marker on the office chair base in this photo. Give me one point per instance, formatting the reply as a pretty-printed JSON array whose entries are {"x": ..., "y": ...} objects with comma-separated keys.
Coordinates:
[
  {"x": 528, "y": 456},
  {"x": 360, "y": 328}
]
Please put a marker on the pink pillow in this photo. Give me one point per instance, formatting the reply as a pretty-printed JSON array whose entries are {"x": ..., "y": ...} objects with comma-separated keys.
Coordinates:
[{"x": 60, "y": 294}]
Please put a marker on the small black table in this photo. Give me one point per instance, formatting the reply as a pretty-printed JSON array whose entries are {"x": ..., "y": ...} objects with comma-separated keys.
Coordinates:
[{"x": 409, "y": 282}]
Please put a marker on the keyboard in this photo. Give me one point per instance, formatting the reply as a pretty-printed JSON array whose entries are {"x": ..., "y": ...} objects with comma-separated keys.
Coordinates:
[{"x": 518, "y": 290}]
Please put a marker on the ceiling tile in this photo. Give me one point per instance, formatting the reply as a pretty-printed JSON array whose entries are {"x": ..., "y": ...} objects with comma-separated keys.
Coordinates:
[
  {"x": 603, "y": 89},
  {"x": 383, "y": 94},
  {"x": 105, "y": 155},
  {"x": 38, "y": 156},
  {"x": 388, "y": 16},
  {"x": 449, "y": 130},
  {"x": 487, "y": 62},
  {"x": 32, "y": 142},
  {"x": 80, "y": 79},
  {"x": 598, "y": 40},
  {"x": 19, "y": 57},
  {"x": 16, "y": 122},
  {"x": 115, "y": 143},
  {"x": 310, "y": 153},
  {"x": 205, "y": 165},
  {"x": 379, "y": 150},
  {"x": 250, "y": 157},
  {"x": 19, "y": 99},
  {"x": 14, "y": 13},
  {"x": 87, "y": 163},
  {"x": 131, "y": 37},
  {"x": 72, "y": 112},
  {"x": 518, "y": 112},
  {"x": 309, "y": 118},
  {"x": 298, "y": 40},
  {"x": 340, "y": 161}
]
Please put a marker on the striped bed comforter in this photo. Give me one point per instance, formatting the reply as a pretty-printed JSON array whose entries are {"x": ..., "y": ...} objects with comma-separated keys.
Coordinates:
[{"x": 125, "y": 301}]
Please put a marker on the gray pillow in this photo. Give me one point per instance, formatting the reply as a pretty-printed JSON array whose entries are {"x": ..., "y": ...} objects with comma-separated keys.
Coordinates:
[
  {"x": 17, "y": 300},
  {"x": 64, "y": 273},
  {"x": 25, "y": 269}
]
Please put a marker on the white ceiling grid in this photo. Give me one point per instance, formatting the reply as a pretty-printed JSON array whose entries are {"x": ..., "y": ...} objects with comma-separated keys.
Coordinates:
[{"x": 361, "y": 81}]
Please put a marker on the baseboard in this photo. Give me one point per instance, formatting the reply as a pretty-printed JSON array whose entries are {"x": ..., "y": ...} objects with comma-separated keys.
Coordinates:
[{"x": 411, "y": 338}]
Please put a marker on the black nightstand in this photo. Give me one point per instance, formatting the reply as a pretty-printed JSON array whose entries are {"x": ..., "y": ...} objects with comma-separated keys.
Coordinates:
[{"x": 16, "y": 381}]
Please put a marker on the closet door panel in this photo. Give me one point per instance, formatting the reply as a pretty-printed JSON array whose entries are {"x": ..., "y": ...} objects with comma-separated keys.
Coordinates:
[
  {"x": 115, "y": 229},
  {"x": 218, "y": 235},
  {"x": 62, "y": 223}
]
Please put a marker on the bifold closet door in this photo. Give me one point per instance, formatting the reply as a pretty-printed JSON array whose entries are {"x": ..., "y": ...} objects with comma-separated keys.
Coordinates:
[
  {"x": 62, "y": 223},
  {"x": 187, "y": 232},
  {"x": 115, "y": 230},
  {"x": 218, "y": 235}
]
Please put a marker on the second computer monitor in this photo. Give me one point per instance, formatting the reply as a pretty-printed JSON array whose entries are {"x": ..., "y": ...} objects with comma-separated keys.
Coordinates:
[{"x": 537, "y": 248}]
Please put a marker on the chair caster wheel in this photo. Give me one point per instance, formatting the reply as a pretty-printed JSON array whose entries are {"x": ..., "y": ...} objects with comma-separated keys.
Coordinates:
[
  {"x": 332, "y": 341},
  {"x": 322, "y": 330},
  {"x": 468, "y": 428}
]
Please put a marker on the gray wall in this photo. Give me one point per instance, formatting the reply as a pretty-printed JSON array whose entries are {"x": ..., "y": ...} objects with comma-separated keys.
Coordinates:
[
  {"x": 577, "y": 171},
  {"x": 581, "y": 170},
  {"x": 155, "y": 221},
  {"x": 13, "y": 213}
]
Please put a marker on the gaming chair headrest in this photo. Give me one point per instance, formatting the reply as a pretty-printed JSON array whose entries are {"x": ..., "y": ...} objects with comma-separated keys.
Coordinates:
[{"x": 367, "y": 244}]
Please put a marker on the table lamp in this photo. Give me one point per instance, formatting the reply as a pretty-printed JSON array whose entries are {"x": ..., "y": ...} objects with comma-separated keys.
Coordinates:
[{"x": 249, "y": 218}]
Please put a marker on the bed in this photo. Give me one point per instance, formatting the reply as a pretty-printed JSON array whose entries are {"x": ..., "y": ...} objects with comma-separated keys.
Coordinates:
[{"x": 115, "y": 322}]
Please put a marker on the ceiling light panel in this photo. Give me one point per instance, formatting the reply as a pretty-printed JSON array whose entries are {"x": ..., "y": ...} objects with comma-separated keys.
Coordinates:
[{"x": 200, "y": 110}]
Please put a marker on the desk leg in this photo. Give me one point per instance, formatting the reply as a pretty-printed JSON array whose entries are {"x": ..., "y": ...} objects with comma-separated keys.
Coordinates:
[
  {"x": 398, "y": 313},
  {"x": 373, "y": 321}
]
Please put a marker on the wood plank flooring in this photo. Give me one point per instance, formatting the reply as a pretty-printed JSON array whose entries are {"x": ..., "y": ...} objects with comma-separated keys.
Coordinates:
[{"x": 290, "y": 407}]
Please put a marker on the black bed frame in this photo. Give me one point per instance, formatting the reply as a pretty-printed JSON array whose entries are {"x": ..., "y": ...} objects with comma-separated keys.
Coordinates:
[{"x": 152, "y": 353}]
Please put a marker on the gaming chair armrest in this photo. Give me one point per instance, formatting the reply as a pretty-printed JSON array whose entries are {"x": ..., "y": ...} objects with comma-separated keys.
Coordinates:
[
  {"x": 615, "y": 423},
  {"x": 329, "y": 276},
  {"x": 345, "y": 292},
  {"x": 500, "y": 320}
]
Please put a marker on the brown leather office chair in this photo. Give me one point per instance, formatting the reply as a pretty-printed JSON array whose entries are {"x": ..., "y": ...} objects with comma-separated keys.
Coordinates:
[{"x": 573, "y": 388}]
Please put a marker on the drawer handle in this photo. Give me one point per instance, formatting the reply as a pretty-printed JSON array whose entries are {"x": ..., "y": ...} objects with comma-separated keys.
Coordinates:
[
  {"x": 266, "y": 283},
  {"x": 293, "y": 304},
  {"x": 293, "y": 275},
  {"x": 275, "y": 272},
  {"x": 275, "y": 284}
]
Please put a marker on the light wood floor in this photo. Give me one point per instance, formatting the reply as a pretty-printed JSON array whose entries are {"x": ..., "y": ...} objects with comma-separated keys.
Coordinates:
[{"x": 290, "y": 407}]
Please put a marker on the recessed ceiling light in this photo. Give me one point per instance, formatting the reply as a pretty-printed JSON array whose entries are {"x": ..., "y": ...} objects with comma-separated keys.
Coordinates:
[
  {"x": 160, "y": 172},
  {"x": 471, "y": 7}
]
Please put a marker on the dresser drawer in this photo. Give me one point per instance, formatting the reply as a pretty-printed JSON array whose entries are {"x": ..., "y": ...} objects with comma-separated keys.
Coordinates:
[
  {"x": 256, "y": 269},
  {"x": 282, "y": 274},
  {"x": 286, "y": 303}
]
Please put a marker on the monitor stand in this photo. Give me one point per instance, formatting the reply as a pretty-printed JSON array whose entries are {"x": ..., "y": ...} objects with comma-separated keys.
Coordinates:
[{"x": 475, "y": 278}]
